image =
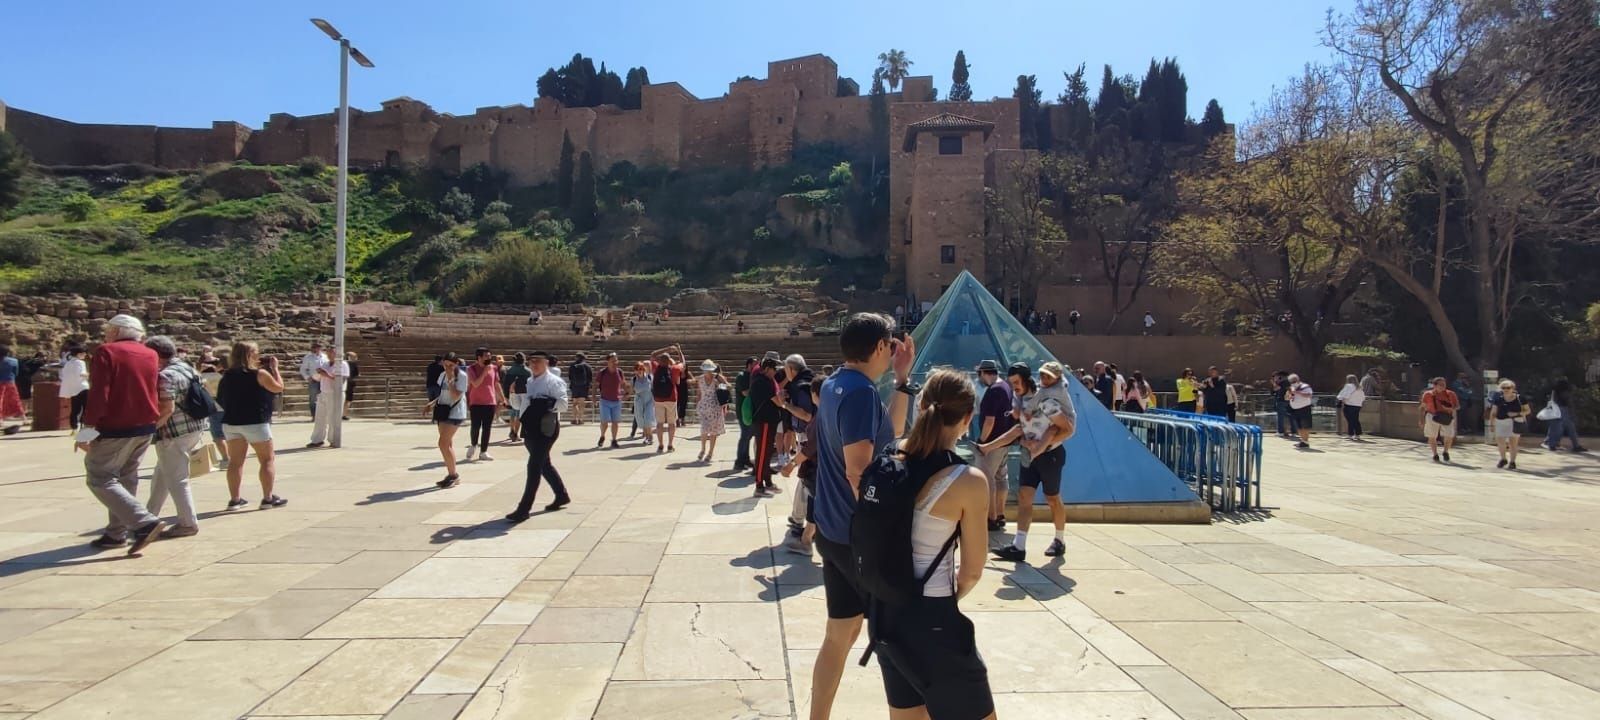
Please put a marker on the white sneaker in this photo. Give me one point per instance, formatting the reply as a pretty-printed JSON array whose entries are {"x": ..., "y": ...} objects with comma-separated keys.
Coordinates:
[
  {"x": 485, "y": 456},
  {"x": 472, "y": 452}
]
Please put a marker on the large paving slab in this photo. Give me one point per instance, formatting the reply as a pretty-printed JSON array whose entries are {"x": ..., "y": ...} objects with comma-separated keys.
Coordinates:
[{"x": 1376, "y": 586}]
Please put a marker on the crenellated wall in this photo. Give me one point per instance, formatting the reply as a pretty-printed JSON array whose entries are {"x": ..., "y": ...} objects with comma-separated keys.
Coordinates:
[{"x": 756, "y": 124}]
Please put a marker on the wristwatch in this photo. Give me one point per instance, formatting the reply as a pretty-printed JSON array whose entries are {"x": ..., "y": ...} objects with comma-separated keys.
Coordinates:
[{"x": 908, "y": 387}]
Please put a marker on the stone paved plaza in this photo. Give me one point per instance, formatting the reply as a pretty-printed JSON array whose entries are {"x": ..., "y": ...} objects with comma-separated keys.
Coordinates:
[{"x": 1379, "y": 586}]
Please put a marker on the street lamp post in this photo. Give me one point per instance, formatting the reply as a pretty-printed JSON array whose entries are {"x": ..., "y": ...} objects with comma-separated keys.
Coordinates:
[{"x": 346, "y": 52}]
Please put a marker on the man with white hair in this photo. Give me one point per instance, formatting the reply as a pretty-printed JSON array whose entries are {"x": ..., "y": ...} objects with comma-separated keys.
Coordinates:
[
  {"x": 308, "y": 372},
  {"x": 119, "y": 421},
  {"x": 178, "y": 435}
]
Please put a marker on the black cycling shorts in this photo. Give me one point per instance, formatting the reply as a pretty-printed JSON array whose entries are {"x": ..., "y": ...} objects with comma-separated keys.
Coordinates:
[
  {"x": 1045, "y": 471},
  {"x": 929, "y": 656},
  {"x": 839, "y": 584}
]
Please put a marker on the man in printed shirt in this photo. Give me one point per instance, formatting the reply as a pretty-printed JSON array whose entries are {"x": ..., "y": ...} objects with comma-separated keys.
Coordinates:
[{"x": 178, "y": 436}]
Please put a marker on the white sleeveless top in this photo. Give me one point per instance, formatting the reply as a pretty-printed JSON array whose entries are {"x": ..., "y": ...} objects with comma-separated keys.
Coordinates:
[{"x": 929, "y": 533}]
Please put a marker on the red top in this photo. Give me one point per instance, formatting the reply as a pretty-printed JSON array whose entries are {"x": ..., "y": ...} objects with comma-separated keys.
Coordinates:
[
  {"x": 610, "y": 384},
  {"x": 1438, "y": 401},
  {"x": 122, "y": 398},
  {"x": 677, "y": 377},
  {"x": 484, "y": 393}
]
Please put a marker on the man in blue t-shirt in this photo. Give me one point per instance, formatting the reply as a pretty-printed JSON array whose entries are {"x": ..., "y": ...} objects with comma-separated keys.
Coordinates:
[{"x": 852, "y": 427}]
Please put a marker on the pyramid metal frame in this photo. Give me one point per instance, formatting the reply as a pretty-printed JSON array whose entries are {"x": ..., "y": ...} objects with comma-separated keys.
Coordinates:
[{"x": 1105, "y": 462}]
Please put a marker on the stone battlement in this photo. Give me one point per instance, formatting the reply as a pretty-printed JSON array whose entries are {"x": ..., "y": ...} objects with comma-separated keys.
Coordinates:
[{"x": 757, "y": 123}]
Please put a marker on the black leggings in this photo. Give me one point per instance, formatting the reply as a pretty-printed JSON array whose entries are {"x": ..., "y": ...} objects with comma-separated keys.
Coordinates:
[
  {"x": 78, "y": 403},
  {"x": 482, "y": 422},
  {"x": 1352, "y": 420}
]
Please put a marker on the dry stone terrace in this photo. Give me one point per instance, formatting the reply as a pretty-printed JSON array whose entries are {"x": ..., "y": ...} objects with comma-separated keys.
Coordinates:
[{"x": 1379, "y": 586}]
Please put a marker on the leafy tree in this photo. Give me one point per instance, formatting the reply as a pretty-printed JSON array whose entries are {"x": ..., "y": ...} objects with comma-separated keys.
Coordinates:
[
  {"x": 841, "y": 175},
  {"x": 564, "y": 170},
  {"x": 960, "y": 91},
  {"x": 1212, "y": 123},
  {"x": 894, "y": 66},
  {"x": 1114, "y": 101},
  {"x": 610, "y": 87},
  {"x": 585, "y": 201},
  {"x": 549, "y": 84},
  {"x": 1027, "y": 95},
  {"x": 1270, "y": 237},
  {"x": 1078, "y": 116},
  {"x": 1466, "y": 77},
  {"x": 633, "y": 89},
  {"x": 1116, "y": 195},
  {"x": 13, "y": 161},
  {"x": 1026, "y": 242}
]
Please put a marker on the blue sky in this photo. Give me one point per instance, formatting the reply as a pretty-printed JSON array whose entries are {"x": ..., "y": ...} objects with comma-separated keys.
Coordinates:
[{"x": 185, "y": 63}]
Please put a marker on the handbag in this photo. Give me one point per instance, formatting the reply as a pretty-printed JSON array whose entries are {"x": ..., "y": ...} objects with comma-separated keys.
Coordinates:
[
  {"x": 1444, "y": 418},
  {"x": 1551, "y": 411}
]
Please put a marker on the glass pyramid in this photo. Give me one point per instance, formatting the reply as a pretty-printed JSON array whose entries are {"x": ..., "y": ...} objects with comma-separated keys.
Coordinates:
[{"x": 1105, "y": 462}]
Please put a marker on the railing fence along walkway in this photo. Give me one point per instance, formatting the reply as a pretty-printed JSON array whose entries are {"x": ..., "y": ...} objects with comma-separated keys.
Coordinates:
[{"x": 1220, "y": 460}]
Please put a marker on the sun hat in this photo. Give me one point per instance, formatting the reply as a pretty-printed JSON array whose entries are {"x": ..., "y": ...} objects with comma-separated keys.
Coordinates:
[
  {"x": 126, "y": 321},
  {"x": 707, "y": 366}
]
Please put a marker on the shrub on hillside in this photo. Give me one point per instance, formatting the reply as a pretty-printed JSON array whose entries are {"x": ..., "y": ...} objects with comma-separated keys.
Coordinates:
[
  {"x": 492, "y": 223},
  {"x": 78, "y": 207},
  {"x": 520, "y": 270},
  {"x": 83, "y": 278},
  {"x": 457, "y": 205},
  {"x": 21, "y": 250},
  {"x": 156, "y": 203},
  {"x": 310, "y": 166}
]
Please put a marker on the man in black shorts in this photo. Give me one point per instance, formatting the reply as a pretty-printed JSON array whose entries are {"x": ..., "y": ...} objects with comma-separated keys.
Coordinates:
[{"x": 852, "y": 427}]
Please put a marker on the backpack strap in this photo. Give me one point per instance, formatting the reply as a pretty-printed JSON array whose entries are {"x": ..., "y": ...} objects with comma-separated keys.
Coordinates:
[{"x": 940, "y": 487}]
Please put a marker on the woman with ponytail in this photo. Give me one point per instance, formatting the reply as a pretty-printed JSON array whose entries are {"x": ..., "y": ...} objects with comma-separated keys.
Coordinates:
[{"x": 949, "y": 680}]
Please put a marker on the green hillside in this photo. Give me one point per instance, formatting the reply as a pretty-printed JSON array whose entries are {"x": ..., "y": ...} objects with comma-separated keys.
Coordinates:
[{"x": 416, "y": 234}]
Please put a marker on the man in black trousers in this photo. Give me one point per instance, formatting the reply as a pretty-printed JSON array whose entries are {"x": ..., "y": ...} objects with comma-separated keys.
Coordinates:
[{"x": 541, "y": 425}]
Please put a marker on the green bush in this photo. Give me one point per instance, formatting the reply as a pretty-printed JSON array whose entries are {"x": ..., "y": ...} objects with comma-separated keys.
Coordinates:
[
  {"x": 83, "y": 278},
  {"x": 21, "y": 250},
  {"x": 520, "y": 270},
  {"x": 457, "y": 205},
  {"x": 126, "y": 239},
  {"x": 492, "y": 223},
  {"x": 841, "y": 175},
  {"x": 156, "y": 203},
  {"x": 310, "y": 166},
  {"x": 497, "y": 207},
  {"x": 79, "y": 207}
]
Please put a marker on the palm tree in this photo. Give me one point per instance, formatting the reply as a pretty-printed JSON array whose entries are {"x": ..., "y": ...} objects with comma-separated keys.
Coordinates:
[{"x": 895, "y": 66}]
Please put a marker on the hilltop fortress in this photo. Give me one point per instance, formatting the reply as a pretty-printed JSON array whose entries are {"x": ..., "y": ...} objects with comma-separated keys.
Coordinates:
[{"x": 942, "y": 154}]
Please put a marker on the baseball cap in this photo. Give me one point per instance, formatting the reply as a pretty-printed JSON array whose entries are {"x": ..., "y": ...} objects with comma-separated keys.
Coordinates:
[{"x": 1053, "y": 369}]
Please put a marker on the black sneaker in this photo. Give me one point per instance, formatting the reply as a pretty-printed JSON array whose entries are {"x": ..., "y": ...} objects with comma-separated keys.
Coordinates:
[
  {"x": 1302, "y": 444},
  {"x": 1436, "y": 457},
  {"x": 272, "y": 501},
  {"x": 516, "y": 517},
  {"x": 1512, "y": 466},
  {"x": 1501, "y": 464},
  {"x": 1056, "y": 549},
  {"x": 1447, "y": 456},
  {"x": 614, "y": 445},
  {"x": 560, "y": 502},
  {"x": 997, "y": 524},
  {"x": 449, "y": 481},
  {"x": 600, "y": 444},
  {"x": 107, "y": 542},
  {"x": 144, "y": 535},
  {"x": 1010, "y": 552},
  {"x": 237, "y": 503}
]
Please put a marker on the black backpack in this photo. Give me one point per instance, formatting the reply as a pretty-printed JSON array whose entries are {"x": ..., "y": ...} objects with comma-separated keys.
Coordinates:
[
  {"x": 880, "y": 537},
  {"x": 197, "y": 401},
  {"x": 661, "y": 384}
]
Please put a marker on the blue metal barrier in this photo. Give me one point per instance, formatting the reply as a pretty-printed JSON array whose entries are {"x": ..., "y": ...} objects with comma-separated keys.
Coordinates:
[{"x": 1219, "y": 459}]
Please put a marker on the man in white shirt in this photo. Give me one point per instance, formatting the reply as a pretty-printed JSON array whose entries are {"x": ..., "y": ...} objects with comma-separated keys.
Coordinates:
[
  {"x": 541, "y": 426},
  {"x": 1149, "y": 322},
  {"x": 330, "y": 376},
  {"x": 308, "y": 372}
]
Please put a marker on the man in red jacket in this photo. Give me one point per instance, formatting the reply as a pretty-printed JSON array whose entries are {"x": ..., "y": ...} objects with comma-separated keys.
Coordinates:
[{"x": 119, "y": 423}]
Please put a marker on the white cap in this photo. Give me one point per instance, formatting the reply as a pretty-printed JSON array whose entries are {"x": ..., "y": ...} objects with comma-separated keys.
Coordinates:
[
  {"x": 708, "y": 366},
  {"x": 127, "y": 321}
]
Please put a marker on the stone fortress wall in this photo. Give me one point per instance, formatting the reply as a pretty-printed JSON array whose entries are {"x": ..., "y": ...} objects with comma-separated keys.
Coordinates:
[{"x": 756, "y": 124}]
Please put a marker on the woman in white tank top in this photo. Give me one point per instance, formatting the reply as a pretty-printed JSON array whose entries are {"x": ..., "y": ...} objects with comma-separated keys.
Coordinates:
[{"x": 939, "y": 673}]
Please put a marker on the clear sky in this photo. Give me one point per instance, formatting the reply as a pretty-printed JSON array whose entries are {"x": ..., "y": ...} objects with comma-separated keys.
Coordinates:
[{"x": 186, "y": 63}]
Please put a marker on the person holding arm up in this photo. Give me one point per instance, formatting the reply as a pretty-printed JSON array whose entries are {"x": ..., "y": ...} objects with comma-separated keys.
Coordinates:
[{"x": 1045, "y": 419}]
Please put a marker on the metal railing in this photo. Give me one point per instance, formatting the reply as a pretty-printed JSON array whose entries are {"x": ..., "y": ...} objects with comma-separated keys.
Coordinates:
[{"x": 1221, "y": 461}]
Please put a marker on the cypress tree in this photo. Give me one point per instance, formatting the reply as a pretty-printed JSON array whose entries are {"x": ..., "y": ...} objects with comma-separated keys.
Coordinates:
[
  {"x": 564, "y": 172},
  {"x": 610, "y": 87},
  {"x": 1027, "y": 95},
  {"x": 633, "y": 88},
  {"x": 550, "y": 84},
  {"x": 585, "y": 203},
  {"x": 1111, "y": 105},
  {"x": 1079, "y": 118},
  {"x": 1174, "y": 104},
  {"x": 1213, "y": 124},
  {"x": 878, "y": 115},
  {"x": 960, "y": 91}
]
